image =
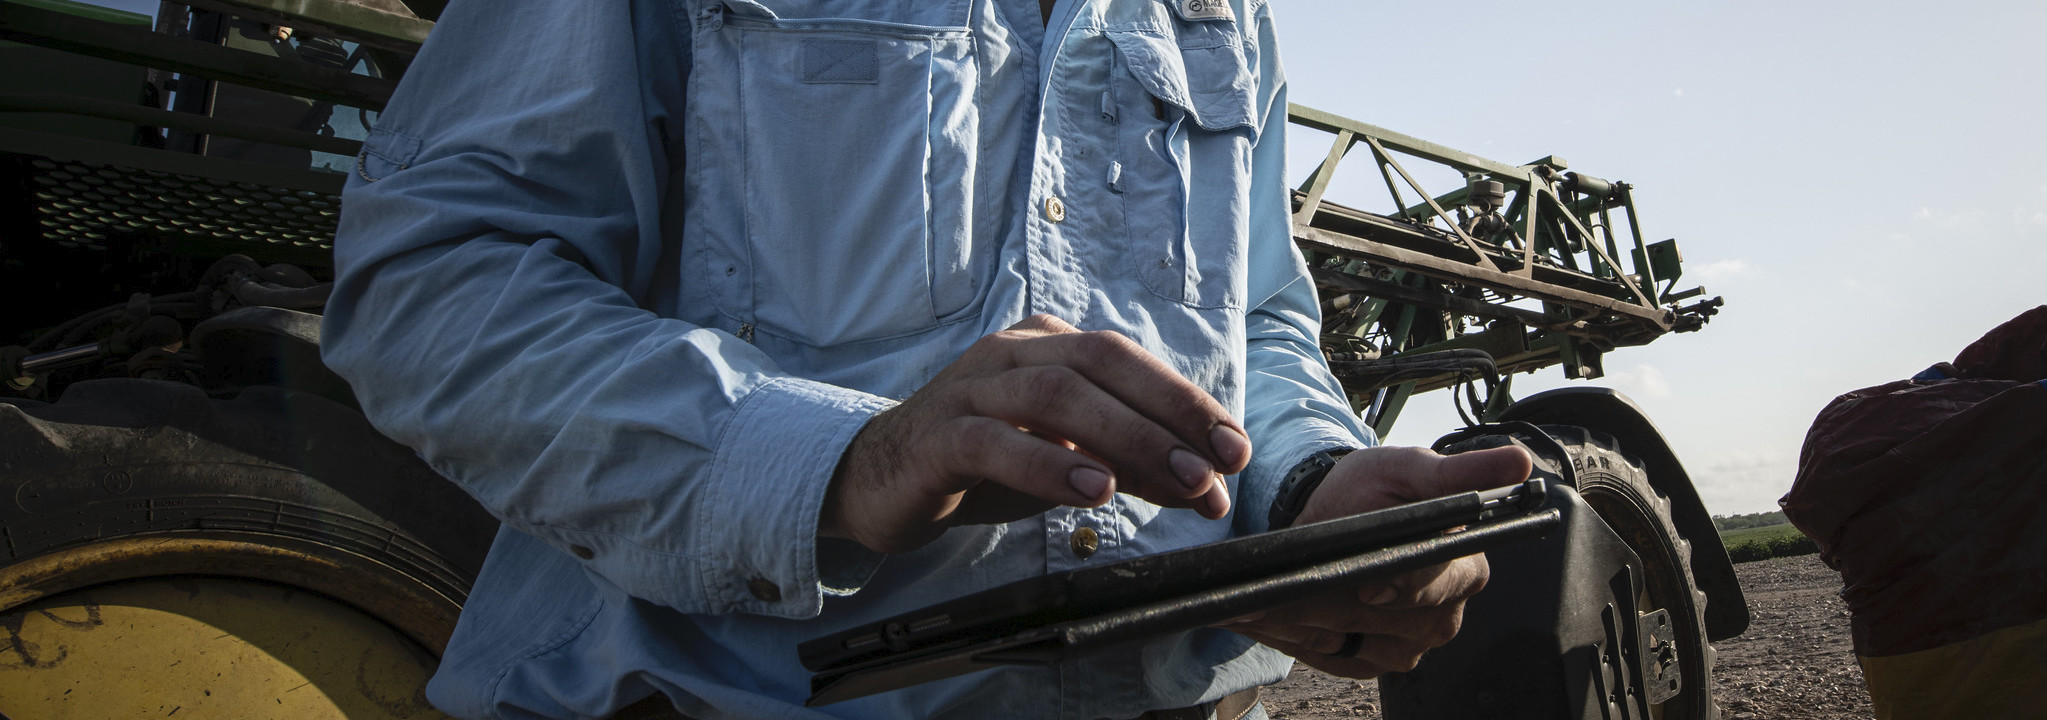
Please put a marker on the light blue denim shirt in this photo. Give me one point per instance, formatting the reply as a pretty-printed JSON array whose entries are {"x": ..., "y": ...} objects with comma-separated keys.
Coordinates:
[{"x": 635, "y": 273}]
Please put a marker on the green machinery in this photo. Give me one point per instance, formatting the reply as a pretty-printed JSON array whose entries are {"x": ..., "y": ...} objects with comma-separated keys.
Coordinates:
[
  {"x": 1525, "y": 263},
  {"x": 169, "y": 189}
]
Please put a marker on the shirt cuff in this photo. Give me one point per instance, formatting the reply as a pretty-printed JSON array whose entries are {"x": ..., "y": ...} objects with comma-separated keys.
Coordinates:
[
  {"x": 1258, "y": 485},
  {"x": 770, "y": 471},
  {"x": 843, "y": 566}
]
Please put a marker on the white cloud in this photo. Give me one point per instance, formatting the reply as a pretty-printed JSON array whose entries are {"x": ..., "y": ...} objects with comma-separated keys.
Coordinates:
[
  {"x": 1743, "y": 481},
  {"x": 1720, "y": 271},
  {"x": 2031, "y": 214},
  {"x": 1680, "y": 92},
  {"x": 1644, "y": 381},
  {"x": 1965, "y": 218}
]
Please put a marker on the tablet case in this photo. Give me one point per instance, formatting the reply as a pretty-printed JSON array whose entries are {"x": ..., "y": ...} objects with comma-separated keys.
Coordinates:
[{"x": 1046, "y": 619}]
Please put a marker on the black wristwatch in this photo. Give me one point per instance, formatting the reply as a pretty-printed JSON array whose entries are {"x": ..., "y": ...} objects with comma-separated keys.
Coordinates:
[{"x": 1300, "y": 483}]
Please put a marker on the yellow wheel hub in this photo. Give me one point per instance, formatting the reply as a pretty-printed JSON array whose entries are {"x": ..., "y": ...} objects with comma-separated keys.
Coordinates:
[
  {"x": 206, "y": 648},
  {"x": 212, "y": 625}
]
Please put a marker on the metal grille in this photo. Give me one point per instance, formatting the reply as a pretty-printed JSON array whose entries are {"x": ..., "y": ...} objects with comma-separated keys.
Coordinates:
[{"x": 79, "y": 204}]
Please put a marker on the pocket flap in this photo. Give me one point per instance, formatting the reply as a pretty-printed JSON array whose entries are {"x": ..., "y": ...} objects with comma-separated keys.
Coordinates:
[
  {"x": 750, "y": 8},
  {"x": 1210, "y": 83},
  {"x": 384, "y": 152}
]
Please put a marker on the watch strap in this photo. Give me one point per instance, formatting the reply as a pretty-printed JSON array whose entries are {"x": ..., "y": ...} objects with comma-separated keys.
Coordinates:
[{"x": 1299, "y": 485}]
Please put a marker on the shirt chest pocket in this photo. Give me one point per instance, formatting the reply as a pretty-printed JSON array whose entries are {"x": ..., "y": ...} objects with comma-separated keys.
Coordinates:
[
  {"x": 1186, "y": 123},
  {"x": 856, "y": 158}
]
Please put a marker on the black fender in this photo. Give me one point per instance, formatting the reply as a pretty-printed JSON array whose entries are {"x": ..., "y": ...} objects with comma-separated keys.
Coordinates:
[{"x": 1608, "y": 411}]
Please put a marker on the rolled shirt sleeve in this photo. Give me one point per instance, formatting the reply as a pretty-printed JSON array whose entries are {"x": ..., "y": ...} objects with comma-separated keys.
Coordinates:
[{"x": 502, "y": 246}]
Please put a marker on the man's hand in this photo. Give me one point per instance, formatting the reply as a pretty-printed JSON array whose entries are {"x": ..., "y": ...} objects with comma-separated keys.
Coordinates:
[
  {"x": 1400, "y": 619},
  {"x": 1033, "y": 417}
]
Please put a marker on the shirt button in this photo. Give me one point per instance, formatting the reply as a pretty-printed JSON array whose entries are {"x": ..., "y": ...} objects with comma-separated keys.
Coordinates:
[
  {"x": 1084, "y": 542},
  {"x": 763, "y": 590},
  {"x": 582, "y": 552},
  {"x": 1055, "y": 210}
]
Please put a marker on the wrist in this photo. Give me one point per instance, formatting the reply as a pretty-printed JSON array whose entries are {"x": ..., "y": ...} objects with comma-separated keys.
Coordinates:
[{"x": 1300, "y": 484}]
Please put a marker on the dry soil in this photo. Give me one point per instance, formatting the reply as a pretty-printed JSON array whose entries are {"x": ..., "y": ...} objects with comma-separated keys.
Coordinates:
[{"x": 1794, "y": 663}]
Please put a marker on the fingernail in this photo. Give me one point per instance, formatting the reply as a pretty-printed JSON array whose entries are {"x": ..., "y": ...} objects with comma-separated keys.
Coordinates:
[
  {"x": 1231, "y": 447},
  {"x": 1385, "y": 595},
  {"x": 1189, "y": 468},
  {"x": 1088, "y": 481},
  {"x": 1218, "y": 505}
]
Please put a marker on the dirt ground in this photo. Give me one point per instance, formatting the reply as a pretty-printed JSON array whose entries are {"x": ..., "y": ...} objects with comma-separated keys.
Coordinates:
[{"x": 1795, "y": 662}]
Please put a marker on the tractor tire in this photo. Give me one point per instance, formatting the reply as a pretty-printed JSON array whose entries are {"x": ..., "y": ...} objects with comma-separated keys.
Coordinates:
[
  {"x": 1617, "y": 487},
  {"x": 1548, "y": 638},
  {"x": 271, "y": 555}
]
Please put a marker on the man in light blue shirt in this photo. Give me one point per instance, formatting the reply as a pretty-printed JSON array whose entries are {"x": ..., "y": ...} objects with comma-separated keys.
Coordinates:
[{"x": 757, "y": 320}]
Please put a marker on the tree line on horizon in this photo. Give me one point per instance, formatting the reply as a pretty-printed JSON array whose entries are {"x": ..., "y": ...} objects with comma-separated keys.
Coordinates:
[{"x": 1724, "y": 523}]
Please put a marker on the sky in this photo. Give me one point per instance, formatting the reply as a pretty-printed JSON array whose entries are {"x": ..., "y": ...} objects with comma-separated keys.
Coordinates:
[{"x": 1858, "y": 180}]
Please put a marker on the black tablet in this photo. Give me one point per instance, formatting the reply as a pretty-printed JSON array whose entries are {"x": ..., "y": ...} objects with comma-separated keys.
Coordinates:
[{"x": 1045, "y": 619}]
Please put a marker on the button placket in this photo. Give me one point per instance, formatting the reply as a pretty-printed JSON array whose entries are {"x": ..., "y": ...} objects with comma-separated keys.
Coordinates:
[{"x": 1084, "y": 542}]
